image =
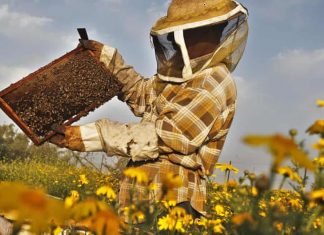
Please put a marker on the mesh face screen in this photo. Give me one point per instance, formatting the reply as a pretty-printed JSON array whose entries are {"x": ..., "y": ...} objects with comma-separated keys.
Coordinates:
[
  {"x": 202, "y": 42},
  {"x": 168, "y": 55}
]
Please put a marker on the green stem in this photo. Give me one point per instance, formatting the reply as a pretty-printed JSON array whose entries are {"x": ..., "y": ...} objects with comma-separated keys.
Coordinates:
[
  {"x": 272, "y": 175},
  {"x": 282, "y": 182},
  {"x": 225, "y": 182},
  {"x": 228, "y": 176},
  {"x": 225, "y": 176},
  {"x": 304, "y": 178},
  {"x": 313, "y": 218}
]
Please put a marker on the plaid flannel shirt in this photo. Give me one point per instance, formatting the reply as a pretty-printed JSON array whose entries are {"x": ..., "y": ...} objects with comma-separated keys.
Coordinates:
[{"x": 191, "y": 121}]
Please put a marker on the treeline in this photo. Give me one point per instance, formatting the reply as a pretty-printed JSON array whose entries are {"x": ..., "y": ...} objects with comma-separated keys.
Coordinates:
[{"x": 15, "y": 145}]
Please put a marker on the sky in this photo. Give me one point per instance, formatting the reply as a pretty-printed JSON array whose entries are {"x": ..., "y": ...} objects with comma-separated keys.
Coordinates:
[{"x": 279, "y": 78}]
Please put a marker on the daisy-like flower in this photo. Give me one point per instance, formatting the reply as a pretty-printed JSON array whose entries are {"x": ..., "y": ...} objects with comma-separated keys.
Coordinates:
[
  {"x": 169, "y": 223},
  {"x": 289, "y": 172},
  {"x": 296, "y": 204},
  {"x": 58, "y": 230},
  {"x": 317, "y": 196},
  {"x": 177, "y": 220},
  {"x": 226, "y": 167},
  {"x": 319, "y": 145},
  {"x": 106, "y": 191},
  {"x": 220, "y": 210},
  {"x": 319, "y": 161},
  {"x": 203, "y": 222},
  {"x": 137, "y": 174},
  {"x": 138, "y": 217},
  {"x": 281, "y": 148},
  {"x": 217, "y": 226},
  {"x": 316, "y": 128},
  {"x": 72, "y": 199},
  {"x": 83, "y": 179},
  {"x": 171, "y": 181},
  {"x": 169, "y": 204},
  {"x": 320, "y": 103}
]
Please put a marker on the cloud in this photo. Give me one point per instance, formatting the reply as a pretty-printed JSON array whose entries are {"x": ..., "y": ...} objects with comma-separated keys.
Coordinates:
[
  {"x": 287, "y": 12},
  {"x": 300, "y": 64},
  {"x": 12, "y": 22},
  {"x": 10, "y": 75},
  {"x": 112, "y": 1},
  {"x": 156, "y": 10}
]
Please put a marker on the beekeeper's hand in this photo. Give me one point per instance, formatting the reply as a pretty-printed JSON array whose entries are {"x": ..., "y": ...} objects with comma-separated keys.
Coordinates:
[
  {"x": 92, "y": 45},
  {"x": 67, "y": 137}
]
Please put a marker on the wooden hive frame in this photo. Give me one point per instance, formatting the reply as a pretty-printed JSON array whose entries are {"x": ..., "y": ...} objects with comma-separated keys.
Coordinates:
[{"x": 36, "y": 139}]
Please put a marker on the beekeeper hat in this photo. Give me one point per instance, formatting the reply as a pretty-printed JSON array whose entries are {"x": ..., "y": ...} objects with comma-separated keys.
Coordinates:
[
  {"x": 186, "y": 12},
  {"x": 179, "y": 38}
]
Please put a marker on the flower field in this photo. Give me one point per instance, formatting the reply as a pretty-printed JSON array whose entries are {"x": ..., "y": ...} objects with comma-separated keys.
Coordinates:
[{"x": 86, "y": 202}]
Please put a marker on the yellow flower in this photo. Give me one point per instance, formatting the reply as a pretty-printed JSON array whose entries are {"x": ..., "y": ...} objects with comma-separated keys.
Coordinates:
[
  {"x": 58, "y": 230},
  {"x": 254, "y": 191},
  {"x": 169, "y": 203},
  {"x": 176, "y": 220},
  {"x": 262, "y": 214},
  {"x": 317, "y": 196},
  {"x": 319, "y": 161},
  {"x": 32, "y": 205},
  {"x": 170, "y": 223},
  {"x": 166, "y": 223},
  {"x": 138, "y": 217},
  {"x": 226, "y": 167},
  {"x": 241, "y": 218},
  {"x": 278, "y": 226},
  {"x": 75, "y": 195},
  {"x": 170, "y": 181},
  {"x": 262, "y": 204},
  {"x": 296, "y": 204},
  {"x": 217, "y": 226},
  {"x": 178, "y": 212},
  {"x": 87, "y": 208},
  {"x": 220, "y": 210},
  {"x": 83, "y": 179},
  {"x": 316, "y": 128},
  {"x": 139, "y": 175},
  {"x": 106, "y": 191},
  {"x": 318, "y": 222},
  {"x": 102, "y": 223},
  {"x": 319, "y": 145},
  {"x": 202, "y": 222},
  {"x": 231, "y": 184},
  {"x": 72, "y": 199},
  {"x": 132, "y": 214},
  {"x": 320, "y": 103},
  {"x": 281, "y": 147},
  {"x": 152, "y": 187},
  {"x": 289, "y": 172}
]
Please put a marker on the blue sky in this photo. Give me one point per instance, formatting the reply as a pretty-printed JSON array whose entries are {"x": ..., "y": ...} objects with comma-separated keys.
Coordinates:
[{"x": 279, "y": 78}]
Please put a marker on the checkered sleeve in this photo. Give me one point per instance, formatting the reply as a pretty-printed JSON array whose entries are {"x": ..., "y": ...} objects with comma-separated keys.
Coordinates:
[
  {"x": 184, "y": 123},
  {"x": 136, "y": 89}
]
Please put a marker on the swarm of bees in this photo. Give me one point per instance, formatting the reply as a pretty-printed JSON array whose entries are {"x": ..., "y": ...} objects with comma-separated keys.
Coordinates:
[{"x": 64, "y": 91}]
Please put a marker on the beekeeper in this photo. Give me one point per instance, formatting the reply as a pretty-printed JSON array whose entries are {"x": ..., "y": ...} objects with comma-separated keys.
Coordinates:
[{"x": 187, "y": 108}]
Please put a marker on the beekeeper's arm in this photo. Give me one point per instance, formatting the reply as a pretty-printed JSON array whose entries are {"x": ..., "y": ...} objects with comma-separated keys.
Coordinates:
[
  {"x": 136, "y": 89},
  {"x": 182, "y": 127},
  {"x": 136, "y": 141}
]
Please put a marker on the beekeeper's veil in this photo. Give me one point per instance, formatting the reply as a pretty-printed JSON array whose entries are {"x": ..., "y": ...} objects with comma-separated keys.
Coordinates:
[{"x": 195, "y": 35}]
